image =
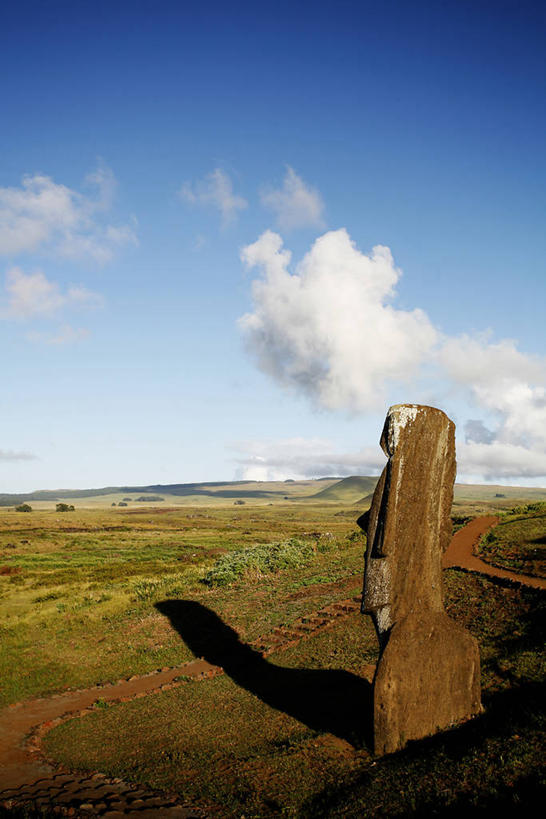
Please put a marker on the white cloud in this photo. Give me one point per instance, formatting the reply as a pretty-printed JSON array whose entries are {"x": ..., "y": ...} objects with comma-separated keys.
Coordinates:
[
  {"x": 477, "y": 433},
  {"x": 329, "y": 330},
  {"x": 33, "y": 295},
  {"x": 503, "y": 381},
  {"x": 103, "y": 180},
  {"x": 42, "y": 214},
  {"x": 199, "y": 242},
  {"x": 9, "y": 455},
  {"x": 301, "y": 458},
  {"x": 499, "y": 461},
  {"x": 215, "y": 189},
  {"x": 65, "y": 334},
  {"x": 295, "y": 204}
]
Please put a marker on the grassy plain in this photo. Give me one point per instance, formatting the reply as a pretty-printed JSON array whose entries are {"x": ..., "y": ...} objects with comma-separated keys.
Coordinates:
[
  {"x": 519, "y": 541},
  {"x": 104, "y": 593},
  {"x": 77, "y": 589}
]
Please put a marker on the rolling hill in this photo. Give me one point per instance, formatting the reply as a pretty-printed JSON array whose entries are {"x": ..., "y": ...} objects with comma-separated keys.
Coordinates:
[
  {"x": 355, "y": 490},
  {"x": 347, "y": 490}
]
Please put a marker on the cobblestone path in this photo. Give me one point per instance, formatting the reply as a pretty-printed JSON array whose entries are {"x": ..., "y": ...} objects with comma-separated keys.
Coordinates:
[{"x": 27, "y": 778}]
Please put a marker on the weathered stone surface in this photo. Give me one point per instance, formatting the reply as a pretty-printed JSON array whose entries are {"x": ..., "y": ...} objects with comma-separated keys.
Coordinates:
[{"x": 427, "y": 677}]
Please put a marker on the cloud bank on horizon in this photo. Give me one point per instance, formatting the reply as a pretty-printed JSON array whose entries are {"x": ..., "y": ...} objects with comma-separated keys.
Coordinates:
[{"x": 329, "y": 330}]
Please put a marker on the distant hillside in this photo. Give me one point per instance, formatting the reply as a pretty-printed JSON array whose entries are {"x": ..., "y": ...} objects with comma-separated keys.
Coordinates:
[
  {"x": 347, "y": 490},
  {"x": 482, "y": 492},
  {"x": 489, "y": 491},
  {"x": 365, "y": 501},
  {"x": 186, "y": 492},
  {"x": 354, "y": 490}
]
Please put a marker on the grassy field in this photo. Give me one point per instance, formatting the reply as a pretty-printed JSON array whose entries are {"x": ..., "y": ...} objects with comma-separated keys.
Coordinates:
[
  {"x": 519, "y": 541},
  {"x": 77, "y": 589},
  {"x": 288, "y": 736},
  {"x": 104, "y": 593}
]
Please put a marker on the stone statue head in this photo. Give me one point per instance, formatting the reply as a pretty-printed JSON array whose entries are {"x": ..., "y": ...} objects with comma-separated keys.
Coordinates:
[{"x": 409, "y": 525}]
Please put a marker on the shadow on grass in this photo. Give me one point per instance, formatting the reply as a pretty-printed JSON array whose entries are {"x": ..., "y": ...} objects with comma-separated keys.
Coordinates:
[
  {"x": 481, "y": 768},
  {"x": 337, "y": 702}
]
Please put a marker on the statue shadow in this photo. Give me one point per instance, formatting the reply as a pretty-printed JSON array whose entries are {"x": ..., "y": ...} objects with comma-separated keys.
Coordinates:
[{"x": 332, "y": 701}]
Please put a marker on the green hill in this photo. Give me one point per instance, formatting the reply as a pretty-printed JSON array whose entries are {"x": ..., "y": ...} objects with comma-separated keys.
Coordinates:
[
  {"x": 179, "y": 493},
  {"x": 347, "y": 490},
  {"x": 356, "y": 490}
]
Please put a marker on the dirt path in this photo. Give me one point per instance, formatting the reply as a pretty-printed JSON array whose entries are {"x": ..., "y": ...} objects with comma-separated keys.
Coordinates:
[
  {"x": 460, "y": 553},
  {"x": 27, "y": 777}
]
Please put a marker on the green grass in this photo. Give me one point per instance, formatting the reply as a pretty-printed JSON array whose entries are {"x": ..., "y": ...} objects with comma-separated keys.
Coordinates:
[
  {"x": 518, "y": 543},
  {"x": 76, "y": 608},
  {"x": 84, "y": 600},
  {"x": 288, "y": 736},
  {"x": 254, "y": 562}
]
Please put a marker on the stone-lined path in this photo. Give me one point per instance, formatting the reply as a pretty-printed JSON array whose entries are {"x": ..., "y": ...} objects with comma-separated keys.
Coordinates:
[{"x": 26, "y": 777}]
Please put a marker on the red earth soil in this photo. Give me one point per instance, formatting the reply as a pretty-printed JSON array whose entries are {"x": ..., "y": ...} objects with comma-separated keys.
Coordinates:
[{"x": 460, "y": 553}]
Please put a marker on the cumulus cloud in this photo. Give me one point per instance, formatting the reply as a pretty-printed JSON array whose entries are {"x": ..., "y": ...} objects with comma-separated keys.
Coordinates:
[
  {"x": 30, "y": 295},
  {"x": 10, "y": 455},
  {"x": 477, "y": 433},
  {"x": 216, "y": 190},
  {"x": 301, "y": 458},
  {"x": 296, "y": 204},
  {"x": 329, "y": 329},
  {"x": 503, "y": 381},
  {"x": 498, "y": 461},
  {"x": 43, "y": 214}
]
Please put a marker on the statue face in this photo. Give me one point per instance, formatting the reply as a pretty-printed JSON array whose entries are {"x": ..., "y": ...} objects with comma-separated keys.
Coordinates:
[{"x": 409, "y": 517}]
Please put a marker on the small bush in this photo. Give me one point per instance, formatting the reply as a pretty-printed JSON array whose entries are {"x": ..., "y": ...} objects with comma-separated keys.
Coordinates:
[
  {"x": 239, "y": 503},
  {"x": 122, "y": 503},
  {"x": 357, "y": 536},
  {"x": 23, "y": 507},
  {"x": 64, "y": 507},
  {"x": 146, "y": 498},
  {"x": 459, "y": 521},
  {"x": 537, "y": 506},
  {"x": 151, "y": 589},
  {"x": 259, "y": 560}
]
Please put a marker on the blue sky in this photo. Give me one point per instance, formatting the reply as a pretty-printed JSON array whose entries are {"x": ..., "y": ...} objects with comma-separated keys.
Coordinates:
[{"x": 157, "y": 162}]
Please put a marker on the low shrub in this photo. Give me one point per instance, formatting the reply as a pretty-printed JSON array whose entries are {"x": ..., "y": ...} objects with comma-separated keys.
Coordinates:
[
  {"x": 23, "y": 507},
  {"x": 529, "y": 508},
  {"x": 259, "y": 560},
  {"x": 64, "y": 507},
  {"x": 152, "y": 589},
  {"x": 458, "y": 521}
]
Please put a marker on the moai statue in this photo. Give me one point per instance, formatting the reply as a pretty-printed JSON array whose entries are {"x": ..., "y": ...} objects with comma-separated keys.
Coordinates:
[{"x": 428, "y": 674}]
